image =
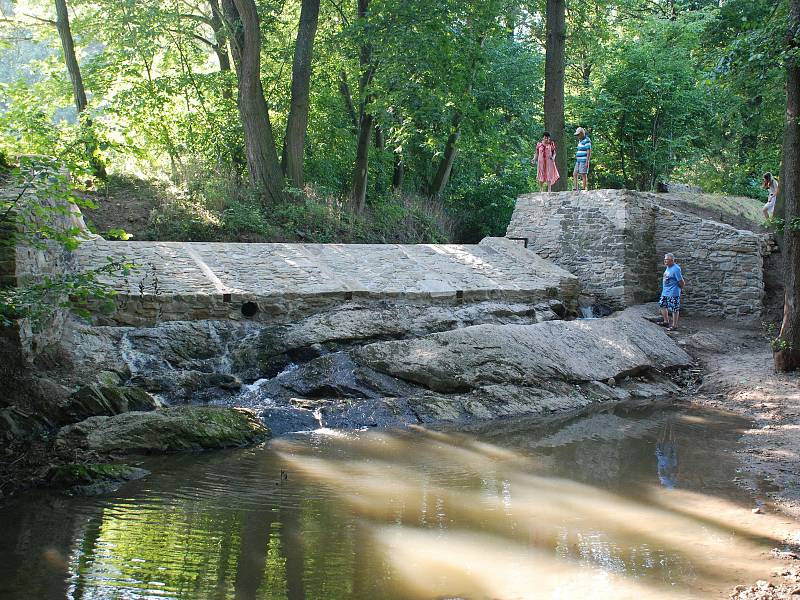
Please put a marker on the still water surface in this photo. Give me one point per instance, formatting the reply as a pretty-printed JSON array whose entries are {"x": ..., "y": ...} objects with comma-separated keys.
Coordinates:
[{"x": 624, "y": 503}]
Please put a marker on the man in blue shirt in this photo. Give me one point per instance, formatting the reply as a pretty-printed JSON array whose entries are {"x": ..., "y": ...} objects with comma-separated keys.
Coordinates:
[
  {"x": 583, "y": 155},
  {"x": 671, "y": 285}
]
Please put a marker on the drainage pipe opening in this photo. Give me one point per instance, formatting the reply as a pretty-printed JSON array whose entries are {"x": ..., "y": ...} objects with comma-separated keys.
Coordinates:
[{"x": 249, "y": 309}]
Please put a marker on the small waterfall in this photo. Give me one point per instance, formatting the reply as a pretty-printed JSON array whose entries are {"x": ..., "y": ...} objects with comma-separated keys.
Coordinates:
[
  {"x": 318, "y": 417},
  {"x": 587, "y": 312}
]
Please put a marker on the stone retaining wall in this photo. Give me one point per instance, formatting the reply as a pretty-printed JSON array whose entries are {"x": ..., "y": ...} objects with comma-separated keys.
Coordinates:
[
  {"x": 723, "y": 266},
  {"x": 29, "y": 262},
  {"x": 614, "y": 241},
  {"x": 600, "y": 237}
]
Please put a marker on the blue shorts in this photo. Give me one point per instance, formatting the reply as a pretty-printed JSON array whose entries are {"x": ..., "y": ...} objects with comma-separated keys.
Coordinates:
[{"x": 671, "y": 303}]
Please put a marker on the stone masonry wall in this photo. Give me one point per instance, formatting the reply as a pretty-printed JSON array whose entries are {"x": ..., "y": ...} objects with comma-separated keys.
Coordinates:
[
  {"x": 723, "y": 266},
  {"x": 599, "y": 237},
  {"x": 614, "y": 241}
]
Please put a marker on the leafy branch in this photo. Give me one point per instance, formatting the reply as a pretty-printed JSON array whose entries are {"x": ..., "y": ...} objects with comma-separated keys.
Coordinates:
[{"x": 77, "y": 292}]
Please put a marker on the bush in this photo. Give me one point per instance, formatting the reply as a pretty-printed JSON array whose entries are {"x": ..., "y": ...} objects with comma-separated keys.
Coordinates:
[
  {"x": 484, "y": 209},
  {"x": 241, "y": 218},
  {"x": 183, "y": 219}
]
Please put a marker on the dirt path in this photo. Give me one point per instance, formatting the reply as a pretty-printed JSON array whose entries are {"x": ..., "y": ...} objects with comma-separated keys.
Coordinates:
[{"x": 739, "y": 377}]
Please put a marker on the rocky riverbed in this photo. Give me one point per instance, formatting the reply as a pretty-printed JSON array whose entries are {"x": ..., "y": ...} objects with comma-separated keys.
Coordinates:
[
  {"x": 346, "y": 368},
  {"x": 213, "y": 384},
  {"x": 336, "y": 370}
]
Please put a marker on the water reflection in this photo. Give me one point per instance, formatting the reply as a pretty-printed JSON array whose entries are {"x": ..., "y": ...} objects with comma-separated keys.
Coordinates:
[
  {"x": 667, "y": 456},
  {"x": 617, "y": 504}
]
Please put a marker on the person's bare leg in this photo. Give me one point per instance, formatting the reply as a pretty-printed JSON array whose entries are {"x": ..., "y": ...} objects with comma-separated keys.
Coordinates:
[
  {"x": 549, "y": 187},
  {"x": 665, "y": 316},
  {"x": 766, "y": 214},
  {"x": 675, "y": 316},
  {"x": 585, "y": 181},
  {"x": 575, "y": 174}
]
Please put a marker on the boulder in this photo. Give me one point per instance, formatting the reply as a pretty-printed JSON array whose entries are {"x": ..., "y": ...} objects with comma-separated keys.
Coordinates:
[
  {"x": 288, "y": 419},
  {"x": 480, "y": 372},
  {"x": 92, "y": 479},
  {"x": 17, "y": 423},
  {"x": 334, "y": 376},
  {"x": 104, "y": 400},
  {"x": 527, "y": 355},
  {"x": 173, "y": 429}
]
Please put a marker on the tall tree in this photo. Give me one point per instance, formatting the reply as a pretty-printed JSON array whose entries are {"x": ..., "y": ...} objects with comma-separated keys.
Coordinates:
[
  {"x": 366, "y": 119},
  {"x": 78, "y": 91},
  {"x": 442, "y": 176},
  {"x": 262, "y": 158},
  {"x": 556, "y": 33},
  {"x": 787, "y": 350},
  {"x": 297, "y": 121}
]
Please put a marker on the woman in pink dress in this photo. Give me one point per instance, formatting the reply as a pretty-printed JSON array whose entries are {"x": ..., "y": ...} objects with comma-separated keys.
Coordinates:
[{"x": 545, "y": 159}]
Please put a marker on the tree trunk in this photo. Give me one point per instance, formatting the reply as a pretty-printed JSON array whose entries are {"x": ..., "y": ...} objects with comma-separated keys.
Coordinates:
[
  {"x": 74, "y": 70},
  {"x": 262, "y": 158},
  {"x": 787, "y": 354},
  {"x": 220, "y": 43},
  {"x": 344, "y": 90},
  {"x": 398, "y": 173},
  {"x": 359, "y": 192},
  {"x": 554, "y": 84},
  {"x": 78, "y": 91},
  {"x": 445, "y": 167},
  {"x": 380, "y": 138},
  {"x": 446, "y": 164},
  {"x": 301, "y": 81},
  {"x": 233, "y": 26}
]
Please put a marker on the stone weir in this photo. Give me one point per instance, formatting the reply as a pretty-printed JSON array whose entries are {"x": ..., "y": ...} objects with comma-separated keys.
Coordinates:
[{"x": 283, "y": 283}]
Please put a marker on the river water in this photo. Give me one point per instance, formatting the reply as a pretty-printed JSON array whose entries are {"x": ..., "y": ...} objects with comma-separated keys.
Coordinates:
[{"x": 623, "y": 503}]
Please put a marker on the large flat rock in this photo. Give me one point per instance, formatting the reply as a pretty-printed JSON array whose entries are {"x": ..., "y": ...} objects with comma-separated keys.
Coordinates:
[
  {"x": 478, "y": 372},
  {"x": 189, "y": 281},
  {"x": 528, "y": 355}
]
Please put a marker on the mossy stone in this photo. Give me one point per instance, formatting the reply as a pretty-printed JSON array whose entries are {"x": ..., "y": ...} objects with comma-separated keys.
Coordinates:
[{"x": 174, "y": 429}]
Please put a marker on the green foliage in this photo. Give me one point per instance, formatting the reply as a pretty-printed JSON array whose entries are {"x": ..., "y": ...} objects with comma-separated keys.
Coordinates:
[
  {"x": 776, "y": 342},
  {"x": 37, "y": 302},
  {"x": 647, "y": 110},
  {"x": 38, "y": 204},
  {"x": 780, "y": 226},
  {"x": 37, "y": 209},
  {"x": 687, "y": 90}
]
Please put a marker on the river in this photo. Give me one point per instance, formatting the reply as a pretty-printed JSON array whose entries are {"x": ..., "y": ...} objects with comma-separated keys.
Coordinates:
[{"x": 624, "y": 502}]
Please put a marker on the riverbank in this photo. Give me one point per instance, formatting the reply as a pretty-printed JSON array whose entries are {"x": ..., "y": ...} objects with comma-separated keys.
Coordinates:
[{"x": 738, "y": 376}]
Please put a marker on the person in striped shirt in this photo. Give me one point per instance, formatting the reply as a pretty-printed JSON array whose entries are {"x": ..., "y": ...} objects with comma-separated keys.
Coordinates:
[{"x": 583, "y": 155}]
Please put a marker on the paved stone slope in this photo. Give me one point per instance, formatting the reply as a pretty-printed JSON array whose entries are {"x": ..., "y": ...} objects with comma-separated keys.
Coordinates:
[{"x": 189, "y": 281}]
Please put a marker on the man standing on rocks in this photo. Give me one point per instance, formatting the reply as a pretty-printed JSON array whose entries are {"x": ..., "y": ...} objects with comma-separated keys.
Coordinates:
[
  {"x": 671, "y": 286},
  {"x": 583, "y": 155}
]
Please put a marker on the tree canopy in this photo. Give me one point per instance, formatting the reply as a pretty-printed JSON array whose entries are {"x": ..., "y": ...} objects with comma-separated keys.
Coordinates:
[{"x": 411, "y": 110}]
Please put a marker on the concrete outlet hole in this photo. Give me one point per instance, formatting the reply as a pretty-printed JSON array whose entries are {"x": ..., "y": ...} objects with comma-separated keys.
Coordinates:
[{"x": 249, "y": 309}]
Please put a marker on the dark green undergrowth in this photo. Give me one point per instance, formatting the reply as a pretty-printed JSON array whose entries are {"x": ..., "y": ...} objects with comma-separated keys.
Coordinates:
[{"x": 215, "y": 214}]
